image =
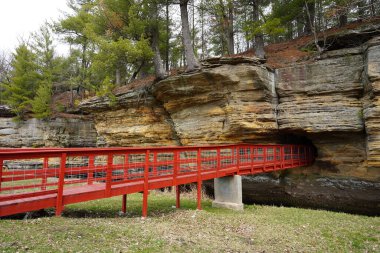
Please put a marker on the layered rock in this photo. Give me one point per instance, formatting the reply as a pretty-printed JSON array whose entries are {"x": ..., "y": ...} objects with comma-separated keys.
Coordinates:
[
  {"x": 372, "y": 102},
  {"x": 59, "y": 132},
  {"x": 134, "y": 118},
  {"x": 323, "y": 96},
  {"x": 227, "y": 104}
]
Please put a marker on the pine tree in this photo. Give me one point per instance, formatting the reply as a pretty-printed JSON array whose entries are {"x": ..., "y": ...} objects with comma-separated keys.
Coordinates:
[
  {"x": 42, "y": 101},
  {"x": 24, "y": 80}
]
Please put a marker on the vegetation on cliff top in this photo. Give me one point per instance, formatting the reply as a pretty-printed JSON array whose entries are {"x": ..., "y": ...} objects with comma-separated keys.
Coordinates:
[{"x": 96, "y": 227}]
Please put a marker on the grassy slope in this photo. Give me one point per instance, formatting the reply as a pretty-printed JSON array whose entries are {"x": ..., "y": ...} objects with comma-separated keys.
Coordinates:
[{"x": 96, "y": 227}]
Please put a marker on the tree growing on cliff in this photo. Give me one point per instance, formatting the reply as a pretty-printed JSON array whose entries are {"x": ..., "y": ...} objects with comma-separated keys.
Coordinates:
[
  {"x": 24, "y": 80},
  {"x": 41, "y": 103},
  {"x": 48, "y": 67},
  {"x": 74, "y": 27}
]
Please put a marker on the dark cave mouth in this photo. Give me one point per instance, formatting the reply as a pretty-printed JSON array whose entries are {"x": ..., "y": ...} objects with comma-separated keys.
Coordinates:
[{"x": 300, "y": 139}]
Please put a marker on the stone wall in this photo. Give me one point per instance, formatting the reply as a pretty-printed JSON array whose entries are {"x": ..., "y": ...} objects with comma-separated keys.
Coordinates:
[{"x": 59, "y": 132}]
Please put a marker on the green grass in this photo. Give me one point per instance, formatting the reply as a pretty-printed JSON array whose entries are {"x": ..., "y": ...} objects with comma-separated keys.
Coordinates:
[{"x": 97, "y": 227}]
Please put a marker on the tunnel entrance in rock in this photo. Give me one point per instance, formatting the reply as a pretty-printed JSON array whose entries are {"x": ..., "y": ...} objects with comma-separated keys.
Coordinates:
[{"x": 295, "y": 138}]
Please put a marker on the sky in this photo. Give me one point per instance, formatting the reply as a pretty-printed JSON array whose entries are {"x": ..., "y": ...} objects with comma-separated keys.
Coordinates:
[{"x": 18, "y": 18}]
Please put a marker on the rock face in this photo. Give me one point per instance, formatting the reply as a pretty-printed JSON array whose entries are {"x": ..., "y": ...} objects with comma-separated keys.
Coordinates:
[
  {"x": 227, "y": 104},
  {"x": 54, "y": 133},
  {"x": 137, "y": 119},
  {"x": 372, "y": 102},
  {"x": 323, "y": 96}
]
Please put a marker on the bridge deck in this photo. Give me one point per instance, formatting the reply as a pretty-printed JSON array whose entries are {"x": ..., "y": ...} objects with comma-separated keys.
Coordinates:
[{"x": 33, "y": 179}]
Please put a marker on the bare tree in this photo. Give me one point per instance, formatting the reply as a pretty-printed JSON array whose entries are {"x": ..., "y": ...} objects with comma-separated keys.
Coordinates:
[{"x": 5, "y": 68}]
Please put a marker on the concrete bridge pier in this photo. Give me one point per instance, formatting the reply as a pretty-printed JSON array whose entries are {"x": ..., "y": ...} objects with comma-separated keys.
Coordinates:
[{"x": 228, "y": 193}]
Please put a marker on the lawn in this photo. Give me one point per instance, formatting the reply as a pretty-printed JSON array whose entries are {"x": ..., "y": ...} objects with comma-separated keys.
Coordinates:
[{"x": 96, "y": 226}]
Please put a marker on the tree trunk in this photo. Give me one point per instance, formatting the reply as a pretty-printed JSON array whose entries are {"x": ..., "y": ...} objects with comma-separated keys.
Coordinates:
[
  {"x": 167, "y": 36},
  {"x": 342, "y": 20},
  {"x": 158, "y": 66},
  {"x": 246, "y": 35},
  {"x": 259, "y": 38},
  {"x": 135, "y": 73},
  {"x": 202, "y": 31},
  {"x": 230, "y": 28},
  {"x": 192, "y": 61},
  {"x": 289, "y": 34},
  {"x": 309, "y": 17},
  {"x": 373, "y": 11},
  {"x": 300, "y": 25},
  {"x": 361, "y": 9},
  {"x": 117, "y": 77}
]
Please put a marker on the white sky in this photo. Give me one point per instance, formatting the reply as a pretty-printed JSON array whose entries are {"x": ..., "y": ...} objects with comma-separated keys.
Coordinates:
[{"x": 18, "y": 18}]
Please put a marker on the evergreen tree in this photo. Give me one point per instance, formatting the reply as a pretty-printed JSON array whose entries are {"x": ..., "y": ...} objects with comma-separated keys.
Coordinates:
[
  {"x": 41, "y": 103},
  {"x": 24, "y": 81}
]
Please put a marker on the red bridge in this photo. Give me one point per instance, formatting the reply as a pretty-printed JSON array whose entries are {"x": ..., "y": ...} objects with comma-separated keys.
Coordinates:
[{"x": 33, "y": 179}]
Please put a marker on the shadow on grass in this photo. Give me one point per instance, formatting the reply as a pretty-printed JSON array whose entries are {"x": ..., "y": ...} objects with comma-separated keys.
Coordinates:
[{"x": 158, "y": 206}]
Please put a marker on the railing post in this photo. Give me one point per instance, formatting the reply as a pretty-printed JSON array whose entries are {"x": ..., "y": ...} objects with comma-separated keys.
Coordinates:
[
  {"x": 91, "y": 165},
  {"x": 252, "y": 150},
  {"x": 299, "y": 155},
  {"x": 176, "y": 167},
  {"x": 155, "y": 173},
  {"x": 126, "y": 167},
  {"x": 218, "y": 162},
  {"x": 291, "y": 155},
  {"x": 109, "y": 174},
  {"x": 124, "y": 204},
  {"x": 61, "y": 182},
  {"x": 199, "y": 181},
  {"x": 265, "y": 157},
  {"x": 44, "y": 172},
  {"x": 238, "y": 159},
  {"x": 146, "y": 186},
  {"x": 1, "y": 171},
  {"x": 282, "y": 154}
]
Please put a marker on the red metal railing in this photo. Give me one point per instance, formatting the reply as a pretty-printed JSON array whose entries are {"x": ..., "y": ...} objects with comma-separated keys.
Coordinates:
[{"x": 32, "y": 179}]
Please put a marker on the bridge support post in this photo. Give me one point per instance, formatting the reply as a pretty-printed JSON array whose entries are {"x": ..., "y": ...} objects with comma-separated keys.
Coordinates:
[
  {"x": 124, "y": 204},
  {"x": 178, "y": 197},
  {"x": 228, "y": 193}
]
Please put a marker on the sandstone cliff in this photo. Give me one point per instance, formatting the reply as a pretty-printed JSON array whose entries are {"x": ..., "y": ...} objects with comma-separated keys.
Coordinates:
[{"x": 59, "y": 132}]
